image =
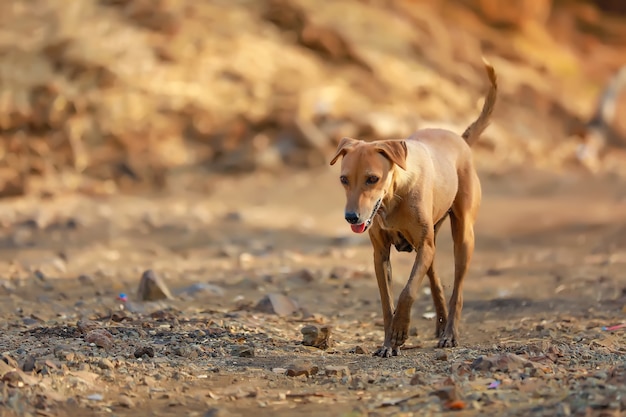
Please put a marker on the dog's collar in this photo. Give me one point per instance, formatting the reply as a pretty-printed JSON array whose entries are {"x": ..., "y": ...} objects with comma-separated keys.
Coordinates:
[{"x": 370, "y": 220}]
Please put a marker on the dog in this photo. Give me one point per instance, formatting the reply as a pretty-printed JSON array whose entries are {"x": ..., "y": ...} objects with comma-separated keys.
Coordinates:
[{"x": 401, "y": 191}]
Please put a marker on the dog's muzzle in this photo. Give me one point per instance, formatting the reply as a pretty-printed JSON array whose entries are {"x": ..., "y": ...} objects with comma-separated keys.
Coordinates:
[{"x": 362, "y": 227}]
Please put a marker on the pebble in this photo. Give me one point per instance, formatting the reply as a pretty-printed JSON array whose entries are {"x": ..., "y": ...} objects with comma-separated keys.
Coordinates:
[
  {"x": 85, "y": 326},
  {"x": 504, "y": 362},
  {"x": 441, "y": 355},
  {"x": 299, "y": 368},
  {"x": 95, "y": 397},
  {"x": 144, "y": 350},
  {"x": 152, "y": 287},
  {"x": 29, "y": 364},
  {"x": 104, "y": 363},
  {"x": 360, "y": 350},
  {"x": 126, "y": 401},
  {"x": 447, "y": 394},
  {"x": 337, "y": 370},
  {"x": 242, "y": 351},
  {"x": 278, "y": 304},
  {"x": 101, "y": 338},
  {"x": 315, "y": 336}
]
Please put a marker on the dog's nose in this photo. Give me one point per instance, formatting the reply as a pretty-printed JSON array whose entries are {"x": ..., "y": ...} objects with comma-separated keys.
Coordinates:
[{"x": 352, "y": 217}]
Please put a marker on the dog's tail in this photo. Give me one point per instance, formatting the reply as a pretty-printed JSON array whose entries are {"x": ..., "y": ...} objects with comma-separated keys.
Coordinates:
[{"x": 473, "y": 132}]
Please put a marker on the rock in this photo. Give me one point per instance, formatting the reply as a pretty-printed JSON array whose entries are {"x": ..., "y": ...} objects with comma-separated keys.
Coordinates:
[
  {"x": 4, "y": 368},
  {"x": 9, "y": 360},
  {"x": 441, "y": 355},
  {"x": 202, "y": 289},
  {"x": 360, "y": 350},
  {"x": 337, "y": 370},
  {"x": 13, "y": 379},
  {"x": 216, "y": 412},
  {"x": 304, "y": 275},
  {"x": 315, "y": 336},
  {"x": 299, "y": 368},
  {"x": 29, "y": 363},
  {"x": 125, "y": 401},
  {"x": 85, "y": 326},
  {"x": 86, "y": 279},
  {"x": 242, "y": 351},
  {"x": 104, "y": 363},
  {"x": 101, "y": 338},
  {"x": 63, "y": 352},
  {"x": 504, "y": 362},
  {"x": 152, "y": 288},
  {"x": 447, "y": 394},
  {"x": 278, "y": 304},
  {"x": 144, "y": 350},
  {"x": 95, "y": 397}
]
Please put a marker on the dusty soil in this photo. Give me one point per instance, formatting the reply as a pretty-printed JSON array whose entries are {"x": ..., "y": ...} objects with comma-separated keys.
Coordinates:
[{"x": 547, "y": 275}]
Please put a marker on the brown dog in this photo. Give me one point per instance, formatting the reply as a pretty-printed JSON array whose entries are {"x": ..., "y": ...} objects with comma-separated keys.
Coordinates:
[{"x": 402, "y": 191}]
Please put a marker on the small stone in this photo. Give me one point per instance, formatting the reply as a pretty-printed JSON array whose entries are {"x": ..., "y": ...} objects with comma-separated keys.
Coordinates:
[
  {"x": 298, "y": 368},
  {"x": 63, "y": 352},
  {"x": 505, "y": 362},
  {"x": 13, "y": 379},
  {"x": 29, "y": 364},
  {"x": 318, "y": 337},
  {"x": 242, "y": 351},
  {"x": 278, "y": 304},
  {"x": 119, "y": 316},
  {"x": 447, "y": 394},
  {"x": 4, "y": 368},
  {"x": 101, "y": 338},
  {"x": 203, "y": 289},
  {"x": 85, "y": 326},
  {"x": 104, "y": 363},
  {"x": 216, "y": 412},
  {"x": 337, "y": 370},
  {"x": 429, "y": 315},
  {"x": 152, "y": 287},
  {"x": 125, "y": 401},
  {"x": 95, "y": 397},
  {"x": 441, "y": 355},
  {"x": 144, "y": 350},
  {"x": 9, "y": 361},
  {"x": 305, "y": 275},
  {"x": 360, "y": 350},
  {"x": 86, "y": 279}
]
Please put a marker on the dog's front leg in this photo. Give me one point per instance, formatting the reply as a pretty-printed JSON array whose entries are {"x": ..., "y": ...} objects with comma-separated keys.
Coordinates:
[
  {"x": 402, "y": 316},
  {"x": 382, "y": 267}
]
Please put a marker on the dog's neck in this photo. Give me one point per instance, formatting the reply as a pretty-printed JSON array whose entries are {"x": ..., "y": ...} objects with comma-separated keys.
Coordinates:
[{"x": 392, "y": 199}]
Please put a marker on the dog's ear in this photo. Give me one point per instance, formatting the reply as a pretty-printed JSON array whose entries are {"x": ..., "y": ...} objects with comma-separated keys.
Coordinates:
[
  {"x": 394, "y": 150},
  {"x": 344, "y": 146}
]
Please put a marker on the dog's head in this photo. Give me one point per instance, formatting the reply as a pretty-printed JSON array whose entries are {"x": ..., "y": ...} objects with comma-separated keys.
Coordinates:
[{"x": 366, "y": 175}]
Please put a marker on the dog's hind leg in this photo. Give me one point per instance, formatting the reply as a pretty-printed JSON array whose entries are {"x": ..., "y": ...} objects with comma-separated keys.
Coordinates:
[{"x": 462, "y": 219}]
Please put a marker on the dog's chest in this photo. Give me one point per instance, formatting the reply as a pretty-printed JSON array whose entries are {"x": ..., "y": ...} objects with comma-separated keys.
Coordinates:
[{"x": 394, "y": 221}]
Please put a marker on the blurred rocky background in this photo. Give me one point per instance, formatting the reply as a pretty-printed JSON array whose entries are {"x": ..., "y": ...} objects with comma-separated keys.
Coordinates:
[{"x": 110, "y": 95}]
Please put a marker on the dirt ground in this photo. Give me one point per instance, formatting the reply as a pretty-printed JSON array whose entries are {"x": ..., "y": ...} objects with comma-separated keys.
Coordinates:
[{"x": 547, "y": 276}]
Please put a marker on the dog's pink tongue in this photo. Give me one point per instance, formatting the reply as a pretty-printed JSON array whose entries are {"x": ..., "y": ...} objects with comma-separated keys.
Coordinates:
[{"x": 358, "y": 228}]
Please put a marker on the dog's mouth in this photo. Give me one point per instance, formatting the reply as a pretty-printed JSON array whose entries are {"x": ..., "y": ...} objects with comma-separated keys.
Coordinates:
[{"x": 360, "y": 228}]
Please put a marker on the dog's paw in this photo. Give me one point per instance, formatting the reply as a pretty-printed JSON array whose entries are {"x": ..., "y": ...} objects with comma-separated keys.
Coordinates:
[
  {"x": 387, "y": 352},
  {"x": 449, "y": 339},
  {"x": 399, "y": 332}
]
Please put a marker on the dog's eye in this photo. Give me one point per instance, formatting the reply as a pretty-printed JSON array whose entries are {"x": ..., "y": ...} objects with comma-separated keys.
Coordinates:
[
  {"x": 372, "y": 179},
  {"x": 344, "y": 180}
]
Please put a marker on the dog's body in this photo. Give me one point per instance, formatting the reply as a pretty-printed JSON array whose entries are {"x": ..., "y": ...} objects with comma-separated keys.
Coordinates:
[{"x": 402, "y": 191}]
